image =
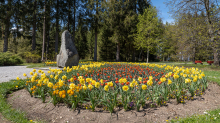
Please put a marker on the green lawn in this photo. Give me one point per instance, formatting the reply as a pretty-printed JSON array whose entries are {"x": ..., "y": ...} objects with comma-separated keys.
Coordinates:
[
  {"x": 212, "y": 73},
  {"x": 33, "y": 65}
]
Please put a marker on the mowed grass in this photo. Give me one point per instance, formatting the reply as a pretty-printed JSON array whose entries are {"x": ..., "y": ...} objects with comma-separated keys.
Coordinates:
[
  {"x": 34, "y": 65},
  {"x": 212, "y": 73},
  {"x": 208, "y": 117}
]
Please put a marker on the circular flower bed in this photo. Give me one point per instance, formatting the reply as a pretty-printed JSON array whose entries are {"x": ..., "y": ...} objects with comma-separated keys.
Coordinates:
[{"x": 111, "y": 85}]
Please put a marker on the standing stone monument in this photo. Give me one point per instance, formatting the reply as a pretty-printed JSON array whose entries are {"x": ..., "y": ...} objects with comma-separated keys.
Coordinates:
[{"x": 68, "y": 55}]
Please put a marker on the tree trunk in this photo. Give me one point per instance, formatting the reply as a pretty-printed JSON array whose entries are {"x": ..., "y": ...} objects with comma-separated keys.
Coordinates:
[
  {"x": 147, "y": 55},
  {"x": 7, "y": 22},
  {"x": 44, "y": 32},
  {"x": 48, "y": 39},
  {"x": 34, "y": 28},
  {"x": 194, "y": 55},
  {"x": 96, "y": 33},
  {"x": 118, "y": 52},
  {"x": 133, "y": 55},
  {"x": 140, "y": 54},
  {"x": 57, "y": 31},
  {"x": 211, "y": 33},
  {"x": 216, "y": 60},
  {"x": 95, "y": 49},
  {"x": 74, "y": 21},
  {"x": 5, "y": 49},
  {"x": 68, "y": 24},
  {"x": 2, "y": 31}
]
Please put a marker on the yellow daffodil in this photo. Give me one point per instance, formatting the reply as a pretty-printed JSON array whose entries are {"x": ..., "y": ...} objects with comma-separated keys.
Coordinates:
[
  {"x": 90, "y": 86},
  {"x": 139, "y": 79},
  {"x": 175, "y": 76},
  {"x": 72, "y": 86},
  {"x": 97, "y": 84},
  {"x": 187, "y": 80},
  {"x": 150, "y": 78},
  {"x": 51, "y": 76},
  {"x": 82, "y": 81},
  {"x": 84, "y": 87},
  {"x": 102, "y": 81},
  {"x": 50, "y": 84},
  {"x": 64, "y": 77},
  {"x": 169, "y": 82},
  {"x": 31, "y": 73},
  {"x": 56, "y": 77},
  {"x": 110, "y": 84},
  {"x": 144, "y": 87},
  {"x": 60, "y": 83},
  {"x": 88, "y": 79},
  {"x": 125, "y": 88},
  {"x": 40, "y": 82},
  {"x": 71, "y": 79},
  {"x": 185, "y": 75},
  {"x": 150, "y": 82},
  {"x": 106, "y": 88},
  {"x": 131, "y": 85}
]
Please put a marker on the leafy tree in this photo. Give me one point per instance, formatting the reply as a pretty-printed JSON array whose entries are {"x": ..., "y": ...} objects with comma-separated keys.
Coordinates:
[{"x": 147, "y": 30}]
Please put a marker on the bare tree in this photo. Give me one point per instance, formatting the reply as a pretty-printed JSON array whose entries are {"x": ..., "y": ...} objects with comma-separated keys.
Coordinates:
[{"x": 211, "y": 10}]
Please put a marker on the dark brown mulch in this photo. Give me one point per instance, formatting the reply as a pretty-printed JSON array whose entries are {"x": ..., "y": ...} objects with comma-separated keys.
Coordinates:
[{"x": 37, "y": 110}]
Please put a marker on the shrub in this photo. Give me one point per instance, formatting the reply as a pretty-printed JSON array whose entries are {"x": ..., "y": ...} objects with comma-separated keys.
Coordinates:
[
  {"x": 30, "y": 57},
  {"x": 8, "y": 58}
]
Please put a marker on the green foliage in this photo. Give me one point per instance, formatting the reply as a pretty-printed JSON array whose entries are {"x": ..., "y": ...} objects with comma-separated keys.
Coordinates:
[
  {"x": 8, "y": 58},
  {"x": 147, "y": 29},
  {"x": 30, "y": 57},
  {"x": 106, "y": 45}
]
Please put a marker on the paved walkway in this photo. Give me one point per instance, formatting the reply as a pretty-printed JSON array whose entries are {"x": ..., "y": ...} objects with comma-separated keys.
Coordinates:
[{"x": 12, "y": 72}]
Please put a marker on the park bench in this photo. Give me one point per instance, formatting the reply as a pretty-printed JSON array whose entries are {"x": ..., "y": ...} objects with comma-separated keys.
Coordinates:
[
  {"x": 210, "y": 62},
  {"x": 198, "y": 62}
]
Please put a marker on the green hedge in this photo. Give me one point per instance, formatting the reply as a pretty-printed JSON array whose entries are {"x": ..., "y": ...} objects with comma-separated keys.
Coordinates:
[
  {"x": 30, "y": 57},
  {"x": 8, "y": 58}
]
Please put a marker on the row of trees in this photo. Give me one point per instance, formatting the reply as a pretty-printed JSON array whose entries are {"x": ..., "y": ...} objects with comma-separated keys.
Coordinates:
[
  {"x": 86, "y": 20},
  {"x": 124, "y": 30},
  {"x": 196, "y": 28}
]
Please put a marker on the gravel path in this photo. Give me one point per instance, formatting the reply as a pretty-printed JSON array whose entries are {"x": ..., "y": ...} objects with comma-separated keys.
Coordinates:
[{"x": 12, "y": 72}]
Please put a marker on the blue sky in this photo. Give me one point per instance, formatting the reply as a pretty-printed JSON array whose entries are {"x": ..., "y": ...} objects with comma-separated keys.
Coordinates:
[{"x": 163, "y": 10}]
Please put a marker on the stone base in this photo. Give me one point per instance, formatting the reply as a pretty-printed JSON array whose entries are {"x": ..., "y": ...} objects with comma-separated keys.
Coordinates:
[{"x": 73, "y": 61}]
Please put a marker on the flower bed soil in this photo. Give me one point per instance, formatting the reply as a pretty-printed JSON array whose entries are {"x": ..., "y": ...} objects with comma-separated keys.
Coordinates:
[{"x": 36, "y": 110}]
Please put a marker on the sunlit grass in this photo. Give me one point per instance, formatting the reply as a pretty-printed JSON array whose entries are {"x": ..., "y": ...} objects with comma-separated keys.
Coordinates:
[
  {"x": 208, "y": 117},
  {"x": 33, "y": 65}
]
